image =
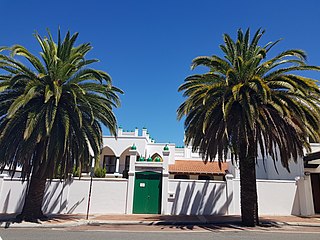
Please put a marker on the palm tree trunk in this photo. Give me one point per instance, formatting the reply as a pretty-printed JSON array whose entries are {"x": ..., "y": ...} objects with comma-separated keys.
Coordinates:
[
  {"x": 248, "y": 187},
  {"x": 32, "y": 208}
]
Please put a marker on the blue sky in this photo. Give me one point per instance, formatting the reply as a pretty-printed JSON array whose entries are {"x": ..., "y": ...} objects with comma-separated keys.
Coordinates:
[{"x": 147, "y": 46}]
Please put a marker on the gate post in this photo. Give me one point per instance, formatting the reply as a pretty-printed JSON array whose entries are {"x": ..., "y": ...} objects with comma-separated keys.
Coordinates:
[
  {"x": 165, "y": 182},
  {"x": 131, "y": 175}
]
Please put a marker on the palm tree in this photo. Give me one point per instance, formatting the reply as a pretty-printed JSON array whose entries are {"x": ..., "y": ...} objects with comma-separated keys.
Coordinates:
[
  {"x": 51, "y": 112},
  {"x": 246, "y": 103}
]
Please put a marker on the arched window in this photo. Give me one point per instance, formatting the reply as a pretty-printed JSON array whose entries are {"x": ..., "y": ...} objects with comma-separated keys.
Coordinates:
[{"x": 155, "y": 156}]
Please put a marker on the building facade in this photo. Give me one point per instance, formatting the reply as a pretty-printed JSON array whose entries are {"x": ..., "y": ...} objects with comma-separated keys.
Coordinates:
[{"x": 150, "y": 166}]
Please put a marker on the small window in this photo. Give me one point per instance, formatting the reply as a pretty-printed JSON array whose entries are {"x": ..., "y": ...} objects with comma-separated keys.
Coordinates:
[
  {"x": 181, "y": 176},
  {"x": 127, "y": 163},
  {"x": 205, "y": 177},
  {"x": 110, "y": 163}
]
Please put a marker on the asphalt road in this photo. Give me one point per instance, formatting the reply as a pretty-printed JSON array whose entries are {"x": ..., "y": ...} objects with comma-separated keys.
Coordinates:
[{"x": 88, "y": 234}]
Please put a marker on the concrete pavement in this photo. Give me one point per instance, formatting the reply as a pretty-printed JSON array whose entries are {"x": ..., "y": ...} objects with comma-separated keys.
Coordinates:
[{"x": 72, "y": 220}]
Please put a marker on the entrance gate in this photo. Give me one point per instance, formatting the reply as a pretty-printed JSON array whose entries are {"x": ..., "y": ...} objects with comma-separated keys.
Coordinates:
[{"x": 147, "y": 192}]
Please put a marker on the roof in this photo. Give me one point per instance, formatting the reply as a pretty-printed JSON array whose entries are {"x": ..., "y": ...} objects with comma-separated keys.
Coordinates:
[{"x": 198, "y": 167}]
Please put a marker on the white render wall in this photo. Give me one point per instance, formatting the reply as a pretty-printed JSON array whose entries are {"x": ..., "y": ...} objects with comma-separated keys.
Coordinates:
[
  {"x": 197, "y": 197},
  {"x": 275, "y": 197},
  {"x": 108, "y": 196},
  {"x": 278, "y": 197},
  {"x": 184, "y": 197},
  {"x": 11, "y": 195},
  {"x": 145, "y": 147},
  {"x": 268, "y": 170}
]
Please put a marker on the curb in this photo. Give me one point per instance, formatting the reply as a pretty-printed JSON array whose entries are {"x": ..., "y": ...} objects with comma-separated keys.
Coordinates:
[
  {"x": 40, "y": 225},
  {"x": 114, "y": 222},
  {"x": 298, "y": 224},
  {"x": 5, "y": 224},
  {"x": 102, "y": 222}
]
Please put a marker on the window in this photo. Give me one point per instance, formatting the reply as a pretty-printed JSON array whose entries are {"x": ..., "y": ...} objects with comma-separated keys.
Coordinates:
[
  {"x": 205, "y": 177},
  {"x": 110, "y": 163},
  {"x": 181, "y": 176},
  {"x": 126, "y": 167},
  {"x": 127, "y": 163}
]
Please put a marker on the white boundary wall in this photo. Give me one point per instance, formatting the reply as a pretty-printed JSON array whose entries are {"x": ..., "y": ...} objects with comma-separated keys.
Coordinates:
[
  {"x": 185, "y": 197},
  {"x": 197, "y": 197},
  {"x": 108, "y": 196},
  {"x": 275, "y": 197}
]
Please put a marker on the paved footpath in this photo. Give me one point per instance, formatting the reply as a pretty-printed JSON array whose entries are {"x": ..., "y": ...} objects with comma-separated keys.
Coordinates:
[{"x": 71, "y": 220}]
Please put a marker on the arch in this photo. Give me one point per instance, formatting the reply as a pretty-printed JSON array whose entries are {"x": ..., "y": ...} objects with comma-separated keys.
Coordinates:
[
  {"x": 106, "y": 150},
  {"x": 155, "y": 155},
  {"x": 108, "y": 159},
  {"x": 124, "y": 161}
]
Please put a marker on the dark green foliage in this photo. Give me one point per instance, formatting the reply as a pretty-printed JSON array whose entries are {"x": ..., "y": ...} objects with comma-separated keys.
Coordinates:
[
  {"x": 51, "y": 109},
  {"x": 76, "y": 172},
  {"x": 100, "y": 172},
  {"x": 57, "y": 104},
  {"x": 247, "y": 104}
]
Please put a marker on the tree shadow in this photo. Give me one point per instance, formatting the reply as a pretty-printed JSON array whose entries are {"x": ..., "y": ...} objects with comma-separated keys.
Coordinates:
[
  {"x": 202, "y": 202},
  {"x": 206, "y": 208},
  {"x": 75, "y": 206},
  {"x": 52, "y": 199},
  {"x": 6, "y": 202}
]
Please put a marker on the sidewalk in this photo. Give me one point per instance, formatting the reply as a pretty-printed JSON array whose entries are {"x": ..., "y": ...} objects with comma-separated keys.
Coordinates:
[{"x": 64, "y": 220}]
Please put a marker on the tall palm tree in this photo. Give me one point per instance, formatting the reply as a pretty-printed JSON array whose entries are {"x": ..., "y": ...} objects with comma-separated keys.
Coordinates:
[
  {"x": 51, "y": 111},
  {"x": 4, "y": 78},
  {"x": 247, "y": 104}
]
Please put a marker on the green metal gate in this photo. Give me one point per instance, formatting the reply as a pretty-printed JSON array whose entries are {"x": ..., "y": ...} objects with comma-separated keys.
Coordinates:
[{"x": 147, "y": 193}]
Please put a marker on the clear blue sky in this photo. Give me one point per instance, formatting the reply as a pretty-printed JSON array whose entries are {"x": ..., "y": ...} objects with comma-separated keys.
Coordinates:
[{"x": 147, "y": 46}]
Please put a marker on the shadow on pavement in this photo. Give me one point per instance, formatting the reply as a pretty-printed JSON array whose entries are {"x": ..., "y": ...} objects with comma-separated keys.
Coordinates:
[{"x": 8, "y": 219}]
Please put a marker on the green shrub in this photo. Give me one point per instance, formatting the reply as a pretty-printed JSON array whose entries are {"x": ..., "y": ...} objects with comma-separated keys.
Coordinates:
[
  {"x": 125, "y": 174},
  {"x": 76, "y": 171},
  {"x": 100, "y": 172},
  {"x": 57, "y": 173}
]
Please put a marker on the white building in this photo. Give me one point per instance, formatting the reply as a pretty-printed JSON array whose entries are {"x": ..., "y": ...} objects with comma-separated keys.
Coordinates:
[
  {"x": 148, "y": 177},
  {"x": 137, "y": 157},
  {"x": 148, "y": 167}
]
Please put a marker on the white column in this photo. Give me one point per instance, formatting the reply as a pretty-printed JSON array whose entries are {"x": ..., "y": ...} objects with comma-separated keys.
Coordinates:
[
  {"x": 131, "y": 174},
  {"x": 165, "y": 182},
  {"x": 229, "y": 193},
  {"x": 117, "y": 164},
  {"x": 305, "y": 195},
  {"x": 144, "y": 132},
  {"x": 237, "y": 170}
]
